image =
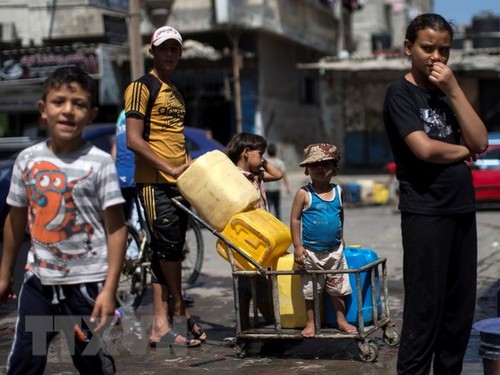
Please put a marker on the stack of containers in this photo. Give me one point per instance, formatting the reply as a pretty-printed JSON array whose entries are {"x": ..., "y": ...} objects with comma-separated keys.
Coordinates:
[
  {"x": 225, "y": 199},
  {"x": 365, "y": 191}
]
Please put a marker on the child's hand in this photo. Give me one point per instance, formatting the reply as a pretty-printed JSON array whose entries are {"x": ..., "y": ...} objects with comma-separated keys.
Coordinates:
[
  {"x": 6, "y": 291},
  {"x": 104, "y": 308},
  {"x": 299, "y": 255}
]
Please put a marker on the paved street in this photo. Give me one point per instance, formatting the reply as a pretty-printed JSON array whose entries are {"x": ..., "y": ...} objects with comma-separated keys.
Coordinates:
[{"x": 375, "y": 227}]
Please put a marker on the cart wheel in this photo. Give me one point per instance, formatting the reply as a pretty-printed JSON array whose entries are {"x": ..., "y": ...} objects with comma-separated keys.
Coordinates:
[
  {"x": 368, "y": 352},
  {"x": 240, "y": 349},
  {"x": 391, "y": 336}
]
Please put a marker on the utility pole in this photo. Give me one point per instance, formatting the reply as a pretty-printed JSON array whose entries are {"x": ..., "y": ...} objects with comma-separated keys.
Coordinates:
[
  {"x": 135, "y": 40},
  {"x": 340, "y": 29},
  {"x": 236, "y": 76},
  {"x": 52, "y": 18}
]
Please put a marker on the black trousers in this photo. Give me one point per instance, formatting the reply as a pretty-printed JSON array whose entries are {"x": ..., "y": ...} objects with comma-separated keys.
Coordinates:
[
  {"x": 439, "y": 271},
  {"x": 46, "y": 310}
]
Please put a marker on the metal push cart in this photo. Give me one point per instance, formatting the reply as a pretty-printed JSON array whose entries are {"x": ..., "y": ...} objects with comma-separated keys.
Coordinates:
[{"x": 368, "y": 351}]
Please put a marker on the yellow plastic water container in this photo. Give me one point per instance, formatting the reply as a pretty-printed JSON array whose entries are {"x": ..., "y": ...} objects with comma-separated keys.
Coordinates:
[
  {"x": 292, "y": 304},
  {"x": 217, "y": 189},
  {"x": 380, "y": 194},
  {"x": 258, "y": 234}
]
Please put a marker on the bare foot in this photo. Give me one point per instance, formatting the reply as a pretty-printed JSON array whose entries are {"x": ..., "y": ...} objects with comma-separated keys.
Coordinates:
[
  {"x": 155, "y": 337},
  {"x": 174, "y": 339},
  {"x": 347, "y": 328},
  {"x": 158, "y": 330},
  {"x": 309, "y": 331}
]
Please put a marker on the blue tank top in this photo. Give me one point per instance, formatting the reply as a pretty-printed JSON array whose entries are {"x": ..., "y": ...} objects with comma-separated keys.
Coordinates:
[
  {"x": 125, "y": 159},
  {"x": 321, "y": 221}
]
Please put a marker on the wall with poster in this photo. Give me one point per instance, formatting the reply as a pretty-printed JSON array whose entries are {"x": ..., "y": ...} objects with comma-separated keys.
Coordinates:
[
  {"x": 23, "y": 71},
  {"x": 32, "y": 63}
]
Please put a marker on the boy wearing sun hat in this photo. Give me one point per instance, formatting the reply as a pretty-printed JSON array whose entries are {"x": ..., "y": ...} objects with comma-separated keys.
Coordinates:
[{"x": 316, "y": 223}]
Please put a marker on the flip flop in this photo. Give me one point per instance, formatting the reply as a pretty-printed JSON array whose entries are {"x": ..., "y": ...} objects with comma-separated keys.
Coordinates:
[
  {"x": 197, "y": 334},
  {"x": 169, "y": 340}
]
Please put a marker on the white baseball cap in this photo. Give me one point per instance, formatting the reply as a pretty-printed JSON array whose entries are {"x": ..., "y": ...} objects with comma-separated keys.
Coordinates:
[{"x": 165, "y": 33}]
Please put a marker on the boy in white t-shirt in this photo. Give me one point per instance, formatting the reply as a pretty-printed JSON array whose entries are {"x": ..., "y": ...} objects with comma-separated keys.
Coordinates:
[{"x": 66, "y": 190}]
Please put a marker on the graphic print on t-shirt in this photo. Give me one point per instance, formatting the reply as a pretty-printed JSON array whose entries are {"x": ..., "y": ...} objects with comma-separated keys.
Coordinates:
[
  {"x": 53, "y": 213},
  {"x": 435, "y": 123}
]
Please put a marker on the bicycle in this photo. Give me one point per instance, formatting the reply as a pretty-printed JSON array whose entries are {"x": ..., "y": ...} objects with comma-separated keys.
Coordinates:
[{"x": 136, "y": 273}]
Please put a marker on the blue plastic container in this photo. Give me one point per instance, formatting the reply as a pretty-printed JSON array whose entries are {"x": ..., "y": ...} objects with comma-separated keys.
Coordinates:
[
  {"x": 489, "y": 347},
  {"x": 357, "y": 257},
  {"x": 352, "y": 192}
]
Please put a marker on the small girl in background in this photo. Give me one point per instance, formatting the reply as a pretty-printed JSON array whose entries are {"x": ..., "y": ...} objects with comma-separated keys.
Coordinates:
[
  {"x": 273, "y": 188},
  {"x": 316, "y": 222},
  {"x": 246, "y": 151}
]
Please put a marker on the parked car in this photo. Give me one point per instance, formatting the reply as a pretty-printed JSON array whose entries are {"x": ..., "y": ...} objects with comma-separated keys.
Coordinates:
[
  {"x": 486, "y": 172},
  {"x": 197, "y": 142},
  {"x": 100, "y": 135},
  {"x": 10, "y": 146}
]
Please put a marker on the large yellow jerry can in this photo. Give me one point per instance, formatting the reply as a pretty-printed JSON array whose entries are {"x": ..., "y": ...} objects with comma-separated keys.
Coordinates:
[
  {"x": 217, "y": 189},
  {"x": 259, "y": 235}
]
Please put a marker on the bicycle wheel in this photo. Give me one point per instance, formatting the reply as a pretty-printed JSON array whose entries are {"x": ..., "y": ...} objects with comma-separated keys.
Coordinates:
[
  {"x": 133, "y": 278},
  {"x": 193, "y": 254}
]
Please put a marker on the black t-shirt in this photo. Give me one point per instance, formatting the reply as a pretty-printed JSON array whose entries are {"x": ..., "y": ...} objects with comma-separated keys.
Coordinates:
[{"x": 426, "y": 188}]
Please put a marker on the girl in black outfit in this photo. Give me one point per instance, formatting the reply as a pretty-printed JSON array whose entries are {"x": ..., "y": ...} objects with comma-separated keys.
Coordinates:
[{"x": 433, "y": 130}]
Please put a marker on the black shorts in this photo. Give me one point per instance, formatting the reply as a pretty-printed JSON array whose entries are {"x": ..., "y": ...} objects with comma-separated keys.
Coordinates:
[{"x": 167, "y": 223}]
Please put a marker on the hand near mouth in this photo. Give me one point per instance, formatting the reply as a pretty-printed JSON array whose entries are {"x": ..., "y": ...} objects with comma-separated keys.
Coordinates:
[{"x": 442, "y": 76}]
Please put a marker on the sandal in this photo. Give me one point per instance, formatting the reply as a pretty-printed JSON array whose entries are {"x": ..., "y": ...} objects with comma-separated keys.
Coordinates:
[
  {"x": 169, "y": 340},
  {"x": 198, "y": 334}
]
